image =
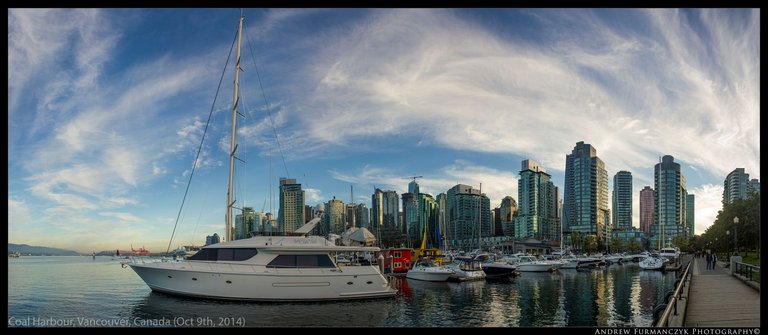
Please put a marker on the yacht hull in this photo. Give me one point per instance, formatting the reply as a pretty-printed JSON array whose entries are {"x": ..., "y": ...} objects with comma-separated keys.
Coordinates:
[
  {"x": 498, "y": 270},
  {"x": 429, "y": 275},
  {"x": 264, "y": 284},
  {"x": 523, "y": 267}
]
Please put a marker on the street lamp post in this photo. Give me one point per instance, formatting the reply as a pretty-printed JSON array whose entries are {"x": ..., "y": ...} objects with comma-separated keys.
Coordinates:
[
  {"x": 727, "y": 235},
  {"x": 735, "y": 235}
]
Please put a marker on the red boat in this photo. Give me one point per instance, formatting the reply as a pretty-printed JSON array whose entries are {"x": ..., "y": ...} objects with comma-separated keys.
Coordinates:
[{"x": 140, "y": 252}]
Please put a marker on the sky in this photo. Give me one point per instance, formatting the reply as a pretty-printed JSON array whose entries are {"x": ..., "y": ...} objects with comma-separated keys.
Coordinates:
[{"x": 107, "y": 107}]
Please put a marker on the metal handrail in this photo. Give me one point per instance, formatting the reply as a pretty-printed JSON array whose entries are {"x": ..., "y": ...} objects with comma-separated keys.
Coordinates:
[
  {"x": 746, "y": 270},
  {"x": 672, "y": 306}
]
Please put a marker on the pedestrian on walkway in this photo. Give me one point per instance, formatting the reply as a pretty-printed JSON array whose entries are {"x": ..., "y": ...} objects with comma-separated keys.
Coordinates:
[{"x": 709, "y": 261}]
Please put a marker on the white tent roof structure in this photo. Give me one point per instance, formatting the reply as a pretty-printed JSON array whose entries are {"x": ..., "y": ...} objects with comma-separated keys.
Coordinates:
[{"x": 358, "y": 236}]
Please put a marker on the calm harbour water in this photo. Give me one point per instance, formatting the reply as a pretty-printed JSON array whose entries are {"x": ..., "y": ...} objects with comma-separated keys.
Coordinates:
[{"x": 81, "y": 291}]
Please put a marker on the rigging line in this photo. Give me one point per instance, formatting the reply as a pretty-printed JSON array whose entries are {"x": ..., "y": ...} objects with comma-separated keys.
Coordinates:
[
  {"x": 266, "y": 105},
  {"x": 241, "y": 183},
  {"x": 200, "y": 147}
]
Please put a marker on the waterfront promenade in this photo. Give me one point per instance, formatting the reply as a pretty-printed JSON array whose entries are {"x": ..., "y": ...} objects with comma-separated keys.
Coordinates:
[{"x": 717, "y": 299}]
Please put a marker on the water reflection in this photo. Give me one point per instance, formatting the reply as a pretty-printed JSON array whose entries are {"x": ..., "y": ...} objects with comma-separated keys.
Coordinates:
[
  {"x": 363, "y": 313},
  {"x": 60, "y": 287}
]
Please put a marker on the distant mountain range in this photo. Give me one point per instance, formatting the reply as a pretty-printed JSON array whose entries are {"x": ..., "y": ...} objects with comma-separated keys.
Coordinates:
[{"x": 35, "y": 250}]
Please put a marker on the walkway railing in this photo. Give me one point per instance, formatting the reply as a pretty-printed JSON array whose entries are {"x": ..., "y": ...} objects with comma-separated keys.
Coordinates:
[
  {"x": 748, "y": 271},
  {"x": 670, "y": 299}
]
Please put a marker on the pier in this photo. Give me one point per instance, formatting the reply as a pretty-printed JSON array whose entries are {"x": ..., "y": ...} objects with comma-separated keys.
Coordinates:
[{"x": 718, "y": 299}]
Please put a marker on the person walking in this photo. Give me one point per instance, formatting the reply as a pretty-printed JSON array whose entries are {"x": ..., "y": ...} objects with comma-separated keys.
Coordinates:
[{"x": 709, "y": 261}]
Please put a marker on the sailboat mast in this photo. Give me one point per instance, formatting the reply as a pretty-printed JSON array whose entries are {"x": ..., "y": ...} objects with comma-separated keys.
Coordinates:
[{"x": 232, "y": 144}]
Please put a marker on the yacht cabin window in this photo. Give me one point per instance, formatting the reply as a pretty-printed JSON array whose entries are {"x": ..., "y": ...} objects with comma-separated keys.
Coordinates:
[
  {"x": 301, "y": 261},
  {"x": 224, "y": 254}
]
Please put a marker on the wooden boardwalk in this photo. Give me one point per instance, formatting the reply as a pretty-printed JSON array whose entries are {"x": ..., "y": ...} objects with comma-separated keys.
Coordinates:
[{"x": 717, "y": 299}]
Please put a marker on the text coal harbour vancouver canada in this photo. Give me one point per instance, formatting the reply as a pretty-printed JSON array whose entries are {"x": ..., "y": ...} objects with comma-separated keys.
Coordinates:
[{"x": 135, "y": 322}]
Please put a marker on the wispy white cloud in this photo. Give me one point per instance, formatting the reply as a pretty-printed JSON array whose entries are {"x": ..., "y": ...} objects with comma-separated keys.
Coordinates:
[
  {"x": 18, "y": 213},
  {"x": 92, "y": 141},
  {"x": 460, "y": 86},
  {"x": 95, "y": 152},
  {"x": 158, "y": 170},
  {"x": 313, "y": 196},
  {"x": 277, "y": 17},
  {"x": 123, "y": 217},
  {"x": 708, "y": 202},
  {"x": 632, "y": 95},
  {"x": 83, "y": 36}
]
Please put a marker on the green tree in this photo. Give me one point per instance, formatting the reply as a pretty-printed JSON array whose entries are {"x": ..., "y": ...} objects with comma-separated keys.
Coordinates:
[
  {"x": 680, "y": 242},
  {"x": 745, "y": 233},
  {"x": 576, "y": 240},
  {"x": 633, "y": 246},
  {"x": 617, "y": 245},
  {"x": 590, "y": 243}
]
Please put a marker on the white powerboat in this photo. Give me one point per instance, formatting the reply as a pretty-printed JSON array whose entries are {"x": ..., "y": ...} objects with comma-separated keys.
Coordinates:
[
  {"x": 670, "y": 253},
  {"x": 428, "y": 271},
  {"x": 530, "y": 264},
  {"x": 277, "y": 268},
  {"x": 494, "y": 268},
  {"x": 466, "y": 268}
]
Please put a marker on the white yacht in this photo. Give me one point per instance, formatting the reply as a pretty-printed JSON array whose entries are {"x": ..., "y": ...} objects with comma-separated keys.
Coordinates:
[
  {"x": 531, "y": 264},
  {"x": 277, "y": 268},
  {"x": 670, "y": 253},
  {"x": 428, "y": 271}
]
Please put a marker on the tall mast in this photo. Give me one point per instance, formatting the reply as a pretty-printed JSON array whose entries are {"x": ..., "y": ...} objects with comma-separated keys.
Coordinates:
[{"x": 232, "y": 144}]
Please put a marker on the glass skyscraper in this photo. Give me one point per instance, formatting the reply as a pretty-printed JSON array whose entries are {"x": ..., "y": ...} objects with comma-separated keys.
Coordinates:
[
  {"x": 585, "y": 198},
  {"x": 622, "y": 200},
  {"x": 385, "y": 208},
  {"x": 290, "y": 215},
  {"x": 690, "y": 209},
  {"x": 738, "y": 186},
  {"x": 669, "y": 202},
  {"x": 468, "y": 215},
  {"x": 362, "y": 216},
  {"x": 385, "y": 218},
  {"x": 245, "y": 222},
  {"x": 537, "y": 209},
  {"x": 646, "y": 209},
  {"x": 507, "y": 213},
  {"x": 335, "y": 216}
]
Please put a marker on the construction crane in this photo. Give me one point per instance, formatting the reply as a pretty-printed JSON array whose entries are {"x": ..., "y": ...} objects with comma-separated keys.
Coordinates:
[{"x": 414, "y": 178}]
